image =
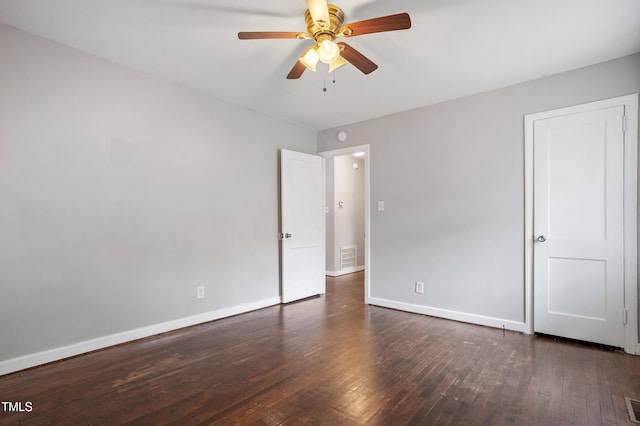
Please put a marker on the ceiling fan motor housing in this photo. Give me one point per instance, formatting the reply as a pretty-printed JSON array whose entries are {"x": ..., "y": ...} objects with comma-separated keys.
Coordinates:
[{"x": 336, "y": 17}]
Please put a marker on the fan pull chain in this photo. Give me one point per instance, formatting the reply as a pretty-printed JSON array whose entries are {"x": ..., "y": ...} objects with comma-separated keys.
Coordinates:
[{"x": 324, "y": 88}]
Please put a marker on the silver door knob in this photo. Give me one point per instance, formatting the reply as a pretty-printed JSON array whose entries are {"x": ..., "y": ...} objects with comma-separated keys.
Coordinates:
[
  {"x": 287, "y": 235},
  {"x": 542, "y": 238}
]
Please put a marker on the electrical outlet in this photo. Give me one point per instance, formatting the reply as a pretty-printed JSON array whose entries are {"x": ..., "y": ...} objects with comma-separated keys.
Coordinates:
[
  {"x": 200, "y": 292},
  {"x": 419, "y": 287}
]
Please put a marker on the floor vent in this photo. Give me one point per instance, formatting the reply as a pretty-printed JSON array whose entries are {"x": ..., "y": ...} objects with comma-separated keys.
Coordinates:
[
  {"x": 634, "y": 410},
  {"x": 347, "y": 257}
]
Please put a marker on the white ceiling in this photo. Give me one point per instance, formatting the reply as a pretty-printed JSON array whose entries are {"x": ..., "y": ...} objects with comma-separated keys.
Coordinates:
[{"x": 454, "y": 48}]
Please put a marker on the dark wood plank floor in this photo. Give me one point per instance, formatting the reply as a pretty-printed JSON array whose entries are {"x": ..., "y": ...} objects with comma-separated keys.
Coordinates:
[{"x": 331, "y": 360}]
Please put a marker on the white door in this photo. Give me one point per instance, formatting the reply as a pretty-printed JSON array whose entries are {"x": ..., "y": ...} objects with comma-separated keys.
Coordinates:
[
  {"x": 578, "y": 226},
  {"x": 302, "y": 210}
]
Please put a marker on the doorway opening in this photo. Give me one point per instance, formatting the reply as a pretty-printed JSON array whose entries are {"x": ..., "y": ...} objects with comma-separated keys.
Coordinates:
[{"x": 347, "y": 212}]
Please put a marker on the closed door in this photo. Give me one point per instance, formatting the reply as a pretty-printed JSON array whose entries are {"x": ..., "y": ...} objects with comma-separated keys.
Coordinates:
[
  {"x": 578, "y": 226},
  {"x": 302, "y": 210}
]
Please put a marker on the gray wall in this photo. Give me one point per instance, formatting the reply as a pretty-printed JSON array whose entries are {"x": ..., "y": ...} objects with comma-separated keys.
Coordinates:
[
  {"x": 452, "y": 178},
  {"x": 120, "y": 193}
]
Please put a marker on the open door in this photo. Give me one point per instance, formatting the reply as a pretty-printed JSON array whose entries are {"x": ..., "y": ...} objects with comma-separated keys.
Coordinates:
[{"x": 302, "y": 233}]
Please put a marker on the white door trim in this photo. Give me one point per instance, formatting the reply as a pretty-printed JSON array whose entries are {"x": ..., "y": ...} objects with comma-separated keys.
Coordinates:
[
  {"x": 367, "y": 208},
  {"x": 630, "y": 103}
]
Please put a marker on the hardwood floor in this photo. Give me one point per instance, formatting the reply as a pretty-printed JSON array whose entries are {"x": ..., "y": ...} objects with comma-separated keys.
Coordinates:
[{"x": 331, "y": 360}]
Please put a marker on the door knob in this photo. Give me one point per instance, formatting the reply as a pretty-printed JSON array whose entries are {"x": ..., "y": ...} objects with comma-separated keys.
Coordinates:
[
  {"x": 542, "y": 238},
  {"x": 287, "y": 235}
]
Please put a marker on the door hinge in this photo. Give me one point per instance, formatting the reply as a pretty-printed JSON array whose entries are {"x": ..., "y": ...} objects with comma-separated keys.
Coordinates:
[{"x": 624, "y": 316}]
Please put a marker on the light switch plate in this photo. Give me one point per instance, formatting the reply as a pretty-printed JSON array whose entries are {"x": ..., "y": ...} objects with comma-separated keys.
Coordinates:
[{"x": 380, "y": 206}]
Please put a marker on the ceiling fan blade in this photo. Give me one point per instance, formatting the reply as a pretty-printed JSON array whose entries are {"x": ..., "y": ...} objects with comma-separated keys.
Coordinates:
[
  {"x": 401, "y": 21},
  {"x": 319, "y": 11},
  {"x": 357, "y": 59},
  {"x": 296, "y": 71},
  {"x": 255, "y": 35}
]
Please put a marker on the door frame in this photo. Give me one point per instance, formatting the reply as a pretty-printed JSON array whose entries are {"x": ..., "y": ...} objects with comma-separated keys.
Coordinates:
[
  {"x": 367, "y": 207},
  {"x": 630, "y": 103}
]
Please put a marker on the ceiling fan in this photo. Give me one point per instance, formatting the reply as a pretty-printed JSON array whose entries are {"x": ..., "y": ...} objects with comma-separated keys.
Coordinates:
[{"x": 324, "y": 25}]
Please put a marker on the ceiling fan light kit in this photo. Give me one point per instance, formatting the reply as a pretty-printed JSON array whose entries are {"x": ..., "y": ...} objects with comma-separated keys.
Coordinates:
[
  {"x": 324, "y": 25},
  {"x": 310, "y": 58},
  {"x": 328, "y": 51},
  {"x": 337, "y": 64}
]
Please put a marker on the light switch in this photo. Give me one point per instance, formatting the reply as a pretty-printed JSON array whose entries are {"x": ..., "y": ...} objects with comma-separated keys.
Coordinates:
[{"x": 380, "y": 206}]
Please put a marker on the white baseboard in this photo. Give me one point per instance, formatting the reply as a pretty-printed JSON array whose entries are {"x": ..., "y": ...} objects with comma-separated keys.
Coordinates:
[
  {"x": 345, "y": 271},
  {"x": 39, "y": 358},
  {"x": 447, "y": 314}
]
